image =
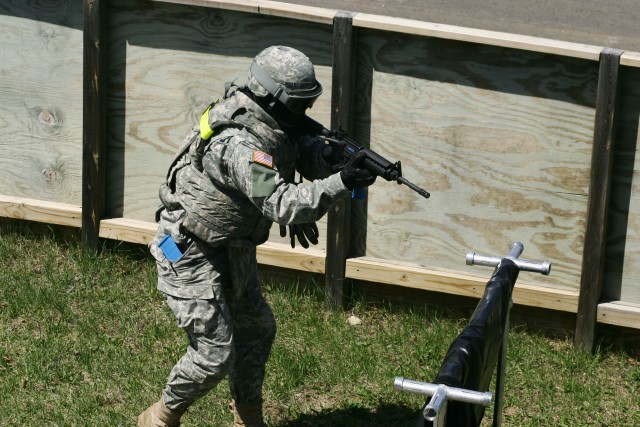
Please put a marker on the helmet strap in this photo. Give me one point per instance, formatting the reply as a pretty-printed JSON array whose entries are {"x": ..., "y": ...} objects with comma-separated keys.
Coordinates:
[{"x": 266, "y": 81}]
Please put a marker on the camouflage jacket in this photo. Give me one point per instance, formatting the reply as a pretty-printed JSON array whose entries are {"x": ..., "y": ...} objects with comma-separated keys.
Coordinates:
[{"x": 241, "y": 180}]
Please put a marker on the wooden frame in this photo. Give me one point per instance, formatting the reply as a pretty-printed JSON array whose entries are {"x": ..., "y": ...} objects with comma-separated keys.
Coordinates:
[
  {"x": 94, "y": 135},
  {"x": 337, "y": 265},
  {"x": 339, "y": 216},
  {"x": 591, "y": 281}
]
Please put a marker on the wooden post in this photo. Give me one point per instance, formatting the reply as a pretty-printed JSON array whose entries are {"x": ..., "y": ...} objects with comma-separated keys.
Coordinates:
[
  {"x": 94, "y": 121},
  {"x": 338, "y": 219},
  {"x": 591, "y": 280}
]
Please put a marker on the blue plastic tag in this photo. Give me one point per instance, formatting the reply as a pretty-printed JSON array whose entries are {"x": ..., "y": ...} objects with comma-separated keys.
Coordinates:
[
  {"x": 358, "y": 194},
  {"x": 170, "y": 249}
]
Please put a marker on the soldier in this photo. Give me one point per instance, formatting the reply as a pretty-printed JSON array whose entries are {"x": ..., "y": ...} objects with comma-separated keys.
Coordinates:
[{"x": 233, "y": 177}]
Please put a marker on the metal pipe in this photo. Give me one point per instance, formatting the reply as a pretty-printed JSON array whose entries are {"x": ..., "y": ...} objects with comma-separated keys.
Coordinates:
[
  {"x": 543, "y": 267},
  {"x": 453, "y": 393},
  {"x": 436, "y": 404},
  {"x": 501, "y": 372},
  {"x": 516, "y": 250}
]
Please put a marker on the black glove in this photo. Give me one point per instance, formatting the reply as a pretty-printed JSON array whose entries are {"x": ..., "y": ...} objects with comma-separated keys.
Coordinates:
[
  {"x": 333, "y": 157},
  {"x": 303, "y": 232},
  {"x": 354, "y": 175}
]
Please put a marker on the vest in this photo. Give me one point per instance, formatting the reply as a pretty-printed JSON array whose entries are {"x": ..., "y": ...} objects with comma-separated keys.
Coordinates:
[{"x": 216, "y": 212}]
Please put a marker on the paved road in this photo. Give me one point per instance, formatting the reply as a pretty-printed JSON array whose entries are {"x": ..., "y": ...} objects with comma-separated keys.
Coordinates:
[{"x": 608, "y": 23}]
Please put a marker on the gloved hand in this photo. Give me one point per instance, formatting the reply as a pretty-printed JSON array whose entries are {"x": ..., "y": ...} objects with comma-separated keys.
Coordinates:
[
  {"x": 303, "y": 232},
  {"x": 354, "y": 175},
  {"x": 333, "y": 157}
]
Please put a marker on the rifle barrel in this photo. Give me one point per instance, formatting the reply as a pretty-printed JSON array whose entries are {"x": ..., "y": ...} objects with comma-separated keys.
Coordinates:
[{"x": 424, "y": 193}]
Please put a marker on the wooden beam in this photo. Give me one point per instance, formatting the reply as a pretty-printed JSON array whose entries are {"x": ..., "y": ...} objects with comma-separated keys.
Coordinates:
[
  {"x": 343, "y": 71},
  {"x": 473, "y": 35},
  {"x": 274, "y": 8},
  {"x": 338, "y": 218},
  {"x": 457, "y": 283},
  {"x": 281, "y": 255},
  {"x": 630, "y": 59},
  {"x": 344, "y": 83},
  {"x": 94, "y": 133},
  {"x": 619, "y": 313},
  {"x": 598, "y": 204},
  {"x": 128, "y": 230},
  {"x": 40, "y": 211}
]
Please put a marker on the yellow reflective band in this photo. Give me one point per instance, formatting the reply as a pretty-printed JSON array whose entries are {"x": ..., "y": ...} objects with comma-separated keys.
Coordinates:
[{"x": 205, "y": 130}]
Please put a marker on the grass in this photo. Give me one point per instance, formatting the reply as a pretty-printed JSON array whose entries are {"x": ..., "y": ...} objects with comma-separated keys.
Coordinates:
[{"x": 87, "y": 341}]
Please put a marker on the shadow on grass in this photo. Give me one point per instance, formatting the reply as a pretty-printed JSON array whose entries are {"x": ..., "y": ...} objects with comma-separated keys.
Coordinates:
[{"x": 354, "y": 416}]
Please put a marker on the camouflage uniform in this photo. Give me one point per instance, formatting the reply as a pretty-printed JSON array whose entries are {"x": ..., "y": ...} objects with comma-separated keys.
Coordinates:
[{"x": 219, "y": 201}]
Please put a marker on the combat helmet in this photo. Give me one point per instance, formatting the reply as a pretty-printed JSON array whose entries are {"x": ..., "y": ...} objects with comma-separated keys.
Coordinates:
[{"x": 287, "y": 75}]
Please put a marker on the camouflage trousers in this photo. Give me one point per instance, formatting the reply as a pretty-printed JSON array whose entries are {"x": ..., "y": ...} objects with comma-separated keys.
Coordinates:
[{"x": 230, "y": 332}]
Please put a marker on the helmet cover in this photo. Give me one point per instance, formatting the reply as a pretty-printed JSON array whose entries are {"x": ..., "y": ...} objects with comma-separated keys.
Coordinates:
[{"x": 286, "y": 74}]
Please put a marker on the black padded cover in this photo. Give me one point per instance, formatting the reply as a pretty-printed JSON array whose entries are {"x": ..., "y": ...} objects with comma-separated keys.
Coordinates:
[{"x": 473, "y": 355}]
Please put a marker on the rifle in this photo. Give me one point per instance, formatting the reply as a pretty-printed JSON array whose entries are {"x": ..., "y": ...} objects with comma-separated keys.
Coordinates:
[{"x": 374, "y": 162}]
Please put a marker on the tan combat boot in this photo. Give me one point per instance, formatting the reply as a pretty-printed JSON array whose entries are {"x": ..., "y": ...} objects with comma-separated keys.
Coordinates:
[
  {"x": 247, "y": 414},
  {"x": 158, "y": 415}
]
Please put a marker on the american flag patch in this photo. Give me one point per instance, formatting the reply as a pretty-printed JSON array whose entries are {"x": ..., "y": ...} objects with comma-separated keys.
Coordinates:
[{"x": 263, "y": 158}]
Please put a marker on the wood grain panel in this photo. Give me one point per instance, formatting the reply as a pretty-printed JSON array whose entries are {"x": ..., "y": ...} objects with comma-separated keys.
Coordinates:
[
  {"x": 41, "y": 100},
  {"x": 167, "y": 63},
  {"x": 501, "y": 138}
]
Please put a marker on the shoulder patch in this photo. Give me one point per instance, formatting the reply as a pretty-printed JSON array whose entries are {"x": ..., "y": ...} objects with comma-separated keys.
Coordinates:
[
  {"x": 262, "y": 158},
  {"x": 263, "y": 180}
]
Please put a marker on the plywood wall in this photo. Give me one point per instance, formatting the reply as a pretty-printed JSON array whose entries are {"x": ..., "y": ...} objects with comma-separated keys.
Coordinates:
[
  {"x": 167, "y": 63},
  {"x": 41, "y": 100},
  {"x": 501, "y": 138}
]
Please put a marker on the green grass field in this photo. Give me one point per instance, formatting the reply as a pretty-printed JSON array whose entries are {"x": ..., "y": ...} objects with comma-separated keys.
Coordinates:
[{"x": 87, "y": 341}]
